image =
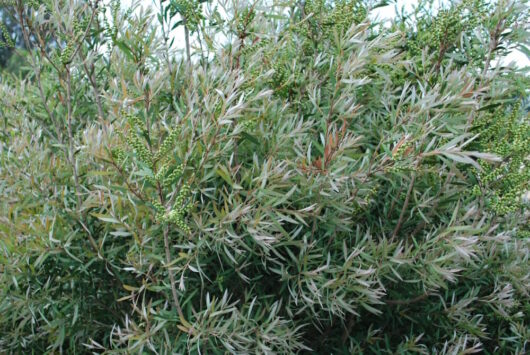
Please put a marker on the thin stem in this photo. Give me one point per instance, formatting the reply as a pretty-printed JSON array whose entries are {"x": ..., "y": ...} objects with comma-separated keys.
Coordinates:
[
  {"x": 166, "y": 49},
  {"x": 131, "y": 188},
  {"x": 406, "y": 204},
  {"x": 93, "y": 84},
  {"x": 171, "y": 274},
  {"x": 494, "y": 42},
  {"x": 168, "y": 260},
  {"x": 187, "y": 40},
  {"x": 71, "y": 157}
]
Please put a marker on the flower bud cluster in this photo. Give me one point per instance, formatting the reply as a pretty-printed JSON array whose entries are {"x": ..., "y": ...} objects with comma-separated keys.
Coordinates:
[
  {"x": 134, "y": 141},
  {"x": 249, "y": 124},
  {"x": 184, "y": 193},
  {"x": 67, "y": 52},
  {"x": 176, "y": 218},
  {"x": 344, "y": 15},
  {"x": 367, "y": 200},
  {"x": 80, "y": 27},
  {"x": 34, "y": 4},
  {"x": 119, "y": 156},
  {"x": 399, "y": 168},
  {"x": 136, "y": 123},
  {"x": 161, "y": 173},
  {"x": 447, "y": 26},
  {"x": 174, "y": 175},
  {"x": 190, "y": 10},
  {"x": 507, "y": 203},
  {"x": 111, "y": 31},
  {"x": 245, "y": 18},
  {"x": 326, "y": 19},
  {"x": 508, "y": 136},
  {"x": 523, "y": 234},
  {"x": 8, "y": 41},
  {"x": 281, "y": 78},
  {"x": 177, "y": 213},
  {"x": 402, "y": 151},
  {"x": 160, "y": 210},
  {"x": 167, "y": 144},
  {"x": 252, "y": 48}
]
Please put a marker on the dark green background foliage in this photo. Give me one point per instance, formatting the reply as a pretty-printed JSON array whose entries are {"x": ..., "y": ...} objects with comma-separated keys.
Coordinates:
[{"x": 295, "y": 177}]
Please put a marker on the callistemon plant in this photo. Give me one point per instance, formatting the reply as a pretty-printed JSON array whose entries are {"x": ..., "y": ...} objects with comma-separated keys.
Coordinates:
[{"x": 264, "y": 177}]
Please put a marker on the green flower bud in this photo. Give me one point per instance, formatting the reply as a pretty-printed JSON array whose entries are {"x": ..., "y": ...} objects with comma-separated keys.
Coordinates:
[{"x": 167, "y": 144}]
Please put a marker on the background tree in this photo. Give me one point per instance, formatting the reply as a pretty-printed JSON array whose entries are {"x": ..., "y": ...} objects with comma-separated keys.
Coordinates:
[{"x": 301, "y": 179}]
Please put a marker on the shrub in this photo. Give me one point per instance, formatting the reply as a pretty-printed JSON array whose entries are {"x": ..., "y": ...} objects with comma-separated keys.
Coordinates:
[{"x": 303, "y": 178}]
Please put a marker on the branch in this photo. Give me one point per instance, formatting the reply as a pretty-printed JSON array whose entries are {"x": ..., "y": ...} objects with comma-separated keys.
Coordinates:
[
  {"x": 494, "y": 42},
  {"x": 187, "y": 40},
  {"x": 36, "y": 70},
  {"x": 408, "y": 301},
  {"x": 406, "y": 204},
  {"x": 131, "y": 188},
  {"x": 85, "y": 34},
  {"x": 94, "y": 85},
  {"x": 71, "y": 137},
  {"x": 168, "y": 261}
]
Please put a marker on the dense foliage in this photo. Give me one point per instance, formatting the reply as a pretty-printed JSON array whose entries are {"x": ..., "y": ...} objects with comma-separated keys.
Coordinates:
[{"x": 293, "y": 177}]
